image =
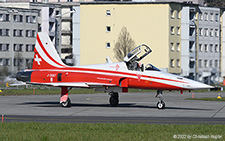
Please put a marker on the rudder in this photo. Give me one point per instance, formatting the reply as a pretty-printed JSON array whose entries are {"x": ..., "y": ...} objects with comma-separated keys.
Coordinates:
[{"x": 45, "y": 55}]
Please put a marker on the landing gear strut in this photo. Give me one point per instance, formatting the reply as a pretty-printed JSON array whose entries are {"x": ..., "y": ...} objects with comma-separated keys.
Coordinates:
[
  {"x": 114, "y": 99},
  {"x": 161, "y": 104},
  {"x": 65, "y": 100}
]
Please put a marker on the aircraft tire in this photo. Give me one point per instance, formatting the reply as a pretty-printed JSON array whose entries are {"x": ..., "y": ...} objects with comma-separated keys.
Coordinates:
[
  {"x": 161, "y": 105},
  {"x": 67, "y": 103},
  {"x": 113, "y": 101}
]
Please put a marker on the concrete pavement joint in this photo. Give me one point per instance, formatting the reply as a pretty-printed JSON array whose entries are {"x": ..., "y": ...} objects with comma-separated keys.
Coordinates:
[{"x": 218, "y": 111}]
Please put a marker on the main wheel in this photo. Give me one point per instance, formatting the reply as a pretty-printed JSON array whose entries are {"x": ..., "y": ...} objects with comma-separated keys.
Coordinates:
[
  {"x": 67, "y": 103},
  {"x": 113, "y": 101},
  {"x": 161, "y": 105}
]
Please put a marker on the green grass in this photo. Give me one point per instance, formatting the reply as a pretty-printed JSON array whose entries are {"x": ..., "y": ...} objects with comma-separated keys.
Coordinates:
[
  {"x": 208, "y": 99},
  {"x": 43, "y": 91},
  {"x": 103, "y": 131}
]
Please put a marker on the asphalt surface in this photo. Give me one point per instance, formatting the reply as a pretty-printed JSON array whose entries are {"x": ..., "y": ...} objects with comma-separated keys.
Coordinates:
[{"x": 133, "y": 108}]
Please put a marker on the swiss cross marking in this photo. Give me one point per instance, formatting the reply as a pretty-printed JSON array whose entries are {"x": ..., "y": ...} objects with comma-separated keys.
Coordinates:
[{"x": 38, "y": 60}]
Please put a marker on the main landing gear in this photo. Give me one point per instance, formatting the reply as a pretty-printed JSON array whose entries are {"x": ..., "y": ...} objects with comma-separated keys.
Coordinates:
[
  {"x": 161, "y": 104},
  {"x": 65, "y": 100},
  {"x": 114, "y": 99},
  {"x": 67, "y": 103}
]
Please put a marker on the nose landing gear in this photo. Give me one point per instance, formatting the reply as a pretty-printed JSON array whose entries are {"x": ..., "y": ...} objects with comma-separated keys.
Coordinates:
[{"x": 161, "y": 104}]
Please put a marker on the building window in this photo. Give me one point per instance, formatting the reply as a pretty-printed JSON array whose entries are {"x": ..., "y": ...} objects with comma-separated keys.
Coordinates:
[
  {"x": 4, "y": 17},
  {"x": 206, "y": 32},
  {"x": 108, "y": 12},
  {"x": 4, "y": 47},
  {"x": 210, "y": 63},
  {"x": 108, "y": 28},
  {"x": 178, "y": 30},
  {"x": 216, "y": 17},
  {"x": 192, "y": 15},
  {"x": 216, "y": 63},
  {"x": 206, "y": 17},
  {"x": 4, "y": 62},
  {"x": 107, "y": 45},
  {"x": 205, "y": 63},
  {"x": 200, "y": 16},
  {"x": 172, "y": 46},
  {"x": 211, "y": 17},
  {"x": 200, "y": 63},
  {"x": 29, "y": 48},
  {"x": 29, "y": 63},
  {"x": 66, "y": 50},
  {"x": 211, "y": 47},
  {"x": 172, "y": 30},
  {"x": 200, "y": 32},
  {"x": 200, "y": 47},
  {"x": 31, "y": 19},
  {"x": 191, "y": 31},
  {"x": 211, "y": 32},
  {"x": 18, "y": 62},
  {"x": 206, "y": 48},
  {"x": 18, "y": 47},
  {"x": 172, "y": 14},
  {"x": 191, "y": 46},
  {"x": 17, "y": 33},
  {"x": 192, "y": 62},
  {"x": 172, "y": 63},
  {"x": 178, "y": 14},
  {"x": 178, "y": 46},
  {"x": 4, "y": 32},
  {"x": 39, "y": 13},
  {"x": 39, "y": 27},
  {"x": 30, "y": 33},
  {"x": 178, "y": 63},
  {"x": 216, "y": 33},
  {"x": 18, "y": 18},
  {"x": 216, "y": 48}
]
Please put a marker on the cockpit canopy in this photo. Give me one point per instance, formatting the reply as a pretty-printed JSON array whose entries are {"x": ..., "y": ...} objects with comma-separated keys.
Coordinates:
[
  {"x": 151, "y": 67},
  {"x": 137, "y": 54}
]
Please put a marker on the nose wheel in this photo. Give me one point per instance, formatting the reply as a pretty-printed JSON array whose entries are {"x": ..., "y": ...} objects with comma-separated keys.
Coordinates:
[
  {"x": 114, "y": 99},
  {"x": 161, "y": 104}
]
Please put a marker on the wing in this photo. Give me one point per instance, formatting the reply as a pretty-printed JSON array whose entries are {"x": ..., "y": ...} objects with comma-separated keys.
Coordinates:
[{"x": 78, "y": 84}]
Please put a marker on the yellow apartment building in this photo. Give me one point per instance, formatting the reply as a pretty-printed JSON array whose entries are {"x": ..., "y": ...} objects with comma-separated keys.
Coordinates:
[{"x": 156, "y": 24}]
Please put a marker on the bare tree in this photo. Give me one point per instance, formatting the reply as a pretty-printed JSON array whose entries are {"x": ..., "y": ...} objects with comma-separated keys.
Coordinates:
[
  {"x": 215, "y": 3},
  {"x": 18, "y": 61},
  {"x": 3, "y": 72},
  {"x": 123, "y": 45}
]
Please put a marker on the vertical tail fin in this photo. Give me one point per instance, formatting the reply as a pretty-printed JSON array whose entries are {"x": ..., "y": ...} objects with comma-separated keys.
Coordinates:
[{"x": 45, "y": 55}]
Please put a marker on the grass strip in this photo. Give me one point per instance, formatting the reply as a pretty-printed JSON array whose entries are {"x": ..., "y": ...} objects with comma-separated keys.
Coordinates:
[
  {"x": 208, "y": 99},
  {"x": 33, "y": 131},
  {"x": 49, "y": 91}
]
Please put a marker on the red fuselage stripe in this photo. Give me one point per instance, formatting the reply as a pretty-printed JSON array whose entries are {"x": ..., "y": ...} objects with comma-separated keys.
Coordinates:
[{"x": 114, "y": 72}]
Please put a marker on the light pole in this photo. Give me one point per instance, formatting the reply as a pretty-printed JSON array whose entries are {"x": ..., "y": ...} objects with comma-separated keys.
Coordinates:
[
  {"x": 12, "y": 12},
  {"x": 59, "y": 22},
  {"x": 196, "y": 50}
]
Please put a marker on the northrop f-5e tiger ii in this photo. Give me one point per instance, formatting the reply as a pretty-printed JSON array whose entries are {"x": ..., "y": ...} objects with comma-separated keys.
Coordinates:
[{"x": 49, "y": 70}]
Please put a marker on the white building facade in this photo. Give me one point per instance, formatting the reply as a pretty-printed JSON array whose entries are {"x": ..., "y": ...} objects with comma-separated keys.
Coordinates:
[{"x": 209, "y": 45}]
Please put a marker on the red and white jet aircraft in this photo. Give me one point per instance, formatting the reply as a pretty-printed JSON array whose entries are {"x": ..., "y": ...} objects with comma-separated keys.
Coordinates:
[{"x": 49, "y": 70}]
